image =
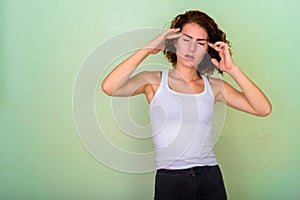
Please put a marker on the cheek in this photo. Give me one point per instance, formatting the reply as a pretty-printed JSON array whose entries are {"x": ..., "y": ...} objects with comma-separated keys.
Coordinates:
[
  {"x": 204, "y": 47},
  {"x": 181, "y": 49},
  {"x": 202, "y": 50},
  {"x": 200, "y": 54}
]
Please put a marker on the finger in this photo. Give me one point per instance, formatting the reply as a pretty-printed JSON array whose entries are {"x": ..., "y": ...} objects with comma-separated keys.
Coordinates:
[
  {"x": 215, "y": 62},
  {"x": 175, "y": 29},
  {"x": 218, "y": 45},
  {"x": 173, "y": 36},
  {"x": 215, "y": 46},
  {"x": 222, "y": 45},
  {"x": 172, "y": 30},
  {"x": 219, "y": 42}
]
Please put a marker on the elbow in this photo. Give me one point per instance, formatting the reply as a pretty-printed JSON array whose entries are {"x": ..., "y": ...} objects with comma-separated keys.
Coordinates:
[
  {"x": 266, "y": 111},
  {"x": 106, "y": 88}
]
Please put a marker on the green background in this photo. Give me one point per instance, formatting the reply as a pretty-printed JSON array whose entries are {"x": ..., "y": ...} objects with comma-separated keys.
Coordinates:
[{"x": 44, "y": 43}]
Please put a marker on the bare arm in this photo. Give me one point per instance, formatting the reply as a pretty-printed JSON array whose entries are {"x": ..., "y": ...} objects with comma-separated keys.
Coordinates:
[
  {"x": 119, "y": 82},
  {"x": 250, "y": 99}
]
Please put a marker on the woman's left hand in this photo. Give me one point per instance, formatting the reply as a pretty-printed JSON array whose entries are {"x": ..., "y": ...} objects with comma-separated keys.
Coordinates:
[{"x": 226, "y": 63}]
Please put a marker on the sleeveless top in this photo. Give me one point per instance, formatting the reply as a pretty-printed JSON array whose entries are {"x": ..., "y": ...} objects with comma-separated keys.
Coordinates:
[{"x": 182, "y": 126}]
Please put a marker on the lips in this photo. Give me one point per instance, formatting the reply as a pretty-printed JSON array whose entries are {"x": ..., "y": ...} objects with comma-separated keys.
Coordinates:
[{"x": 189, "y": 58}]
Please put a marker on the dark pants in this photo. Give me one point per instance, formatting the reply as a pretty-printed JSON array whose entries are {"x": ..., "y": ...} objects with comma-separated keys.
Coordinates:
[{"x": 197, "y": 183}]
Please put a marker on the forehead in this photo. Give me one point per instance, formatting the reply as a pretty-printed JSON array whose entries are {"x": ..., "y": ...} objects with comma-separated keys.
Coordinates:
[{"x": 194, "y": 30}]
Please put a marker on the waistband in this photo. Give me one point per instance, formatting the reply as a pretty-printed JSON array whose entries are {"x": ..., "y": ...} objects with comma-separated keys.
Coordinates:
[{"x": 192, "y": 170}]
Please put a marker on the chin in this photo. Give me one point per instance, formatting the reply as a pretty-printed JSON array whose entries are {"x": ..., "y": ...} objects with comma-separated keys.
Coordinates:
[{"x": 190, "y": 65}]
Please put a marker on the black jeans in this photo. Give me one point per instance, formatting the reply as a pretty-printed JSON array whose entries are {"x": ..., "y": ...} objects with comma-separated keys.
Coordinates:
[{"x": 196, "y": 183}]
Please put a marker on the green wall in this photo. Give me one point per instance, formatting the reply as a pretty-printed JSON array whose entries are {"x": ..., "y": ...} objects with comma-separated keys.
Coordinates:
[{"x": 43, "y": 45}]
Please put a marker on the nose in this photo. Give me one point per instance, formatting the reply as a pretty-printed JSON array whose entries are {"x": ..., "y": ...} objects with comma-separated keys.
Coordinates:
[{"x": 192, "y": 46}]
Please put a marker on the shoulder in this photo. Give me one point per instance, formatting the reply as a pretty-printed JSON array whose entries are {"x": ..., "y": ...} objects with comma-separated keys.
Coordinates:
[
  {"x": 218, "y": 86},
  {"x": 215, "y": 82},
  {"x": 150, "y": 76}
]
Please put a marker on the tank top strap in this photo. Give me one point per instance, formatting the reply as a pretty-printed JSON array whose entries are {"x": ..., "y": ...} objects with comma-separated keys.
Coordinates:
[
  {"x": 164, "y": 77},
  {"x": 207, "y": 85},
  {"x": 205, "y": 79}
]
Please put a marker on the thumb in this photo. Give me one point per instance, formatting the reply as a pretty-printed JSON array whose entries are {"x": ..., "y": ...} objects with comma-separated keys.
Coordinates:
[{"x": 215, "y": 62}]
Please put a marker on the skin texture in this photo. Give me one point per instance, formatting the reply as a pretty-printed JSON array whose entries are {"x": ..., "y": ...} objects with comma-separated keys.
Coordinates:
[{"x": 191, "y": 44}]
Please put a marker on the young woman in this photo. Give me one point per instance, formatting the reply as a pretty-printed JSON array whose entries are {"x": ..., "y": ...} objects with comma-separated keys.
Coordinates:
[{"x": 181, "y": 103}]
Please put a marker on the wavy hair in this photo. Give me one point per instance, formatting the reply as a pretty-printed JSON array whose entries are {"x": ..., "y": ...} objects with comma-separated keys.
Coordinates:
[{"x": 214, "y": 34}]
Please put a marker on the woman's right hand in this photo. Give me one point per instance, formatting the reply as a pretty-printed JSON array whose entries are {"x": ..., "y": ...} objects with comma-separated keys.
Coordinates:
[
  {"x": 119, "y": 82},
  {"x": 158, "y": 43}
]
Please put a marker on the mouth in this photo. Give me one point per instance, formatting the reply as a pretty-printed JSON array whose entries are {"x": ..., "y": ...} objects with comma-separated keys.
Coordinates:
[{"x": 189, "y": 58}]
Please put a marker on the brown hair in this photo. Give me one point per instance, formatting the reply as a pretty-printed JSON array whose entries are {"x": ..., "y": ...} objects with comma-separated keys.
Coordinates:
[{"x": 214, "y": 34}]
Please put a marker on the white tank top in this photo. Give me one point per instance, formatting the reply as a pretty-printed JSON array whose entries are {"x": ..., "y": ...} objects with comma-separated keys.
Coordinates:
[{"x": 182, "y": 126}]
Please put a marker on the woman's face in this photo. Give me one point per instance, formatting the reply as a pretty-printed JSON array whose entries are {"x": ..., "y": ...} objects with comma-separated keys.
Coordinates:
[{"x": 192, "y": 45}]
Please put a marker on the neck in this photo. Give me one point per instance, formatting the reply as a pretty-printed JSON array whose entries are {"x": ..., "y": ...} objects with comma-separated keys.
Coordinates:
[{"x": 188, "y": 73}]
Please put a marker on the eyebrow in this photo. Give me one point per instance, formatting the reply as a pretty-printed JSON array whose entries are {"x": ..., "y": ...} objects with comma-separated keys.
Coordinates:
[{"x": 199, "y": 39}]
